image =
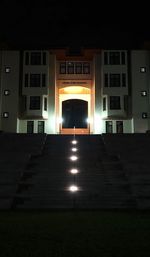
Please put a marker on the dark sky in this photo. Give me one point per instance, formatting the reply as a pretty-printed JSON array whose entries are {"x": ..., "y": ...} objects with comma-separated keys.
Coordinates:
[{"x": 73, "y": 23}]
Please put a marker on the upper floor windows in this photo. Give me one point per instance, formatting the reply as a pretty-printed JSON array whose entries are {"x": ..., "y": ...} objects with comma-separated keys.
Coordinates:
[
  {"x": 74, "y": 68},
  {"x": 115, "y": 80},
  {"x": 35, "y": 80},
  {"x": 35, "y": 102},
  {"x": 114, "y": 58},
  {"x": 115, "y": 103},
  {"x": 35, "y": 58}
]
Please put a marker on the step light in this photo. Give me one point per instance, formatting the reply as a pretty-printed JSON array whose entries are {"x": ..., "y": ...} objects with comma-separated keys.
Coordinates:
[
  {"x": 74, "y": 142},
  {"x": 73, "y": 158},
  {"x": 74, "y": 149},
  {"x": 74, "y": 171},
  {"x": 73, "y": 188}
]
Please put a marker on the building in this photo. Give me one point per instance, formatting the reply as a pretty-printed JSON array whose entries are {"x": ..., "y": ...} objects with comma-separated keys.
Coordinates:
[{"x": 52, "y": 91}]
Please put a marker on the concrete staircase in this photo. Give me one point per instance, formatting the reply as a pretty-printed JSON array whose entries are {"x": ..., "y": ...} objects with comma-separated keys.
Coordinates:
[{"x": 102, "y": 181}]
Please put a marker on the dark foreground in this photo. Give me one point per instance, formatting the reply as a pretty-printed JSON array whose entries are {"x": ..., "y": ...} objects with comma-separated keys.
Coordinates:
[{"x": 75, "y": 234}]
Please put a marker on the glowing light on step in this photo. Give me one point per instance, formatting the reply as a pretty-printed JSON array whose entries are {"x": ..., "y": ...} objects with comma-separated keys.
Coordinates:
[
  {"x": 73, "y": 188},
  {"x": 74, "y": 149},
  {"x": 74, "y": 142},
  {"x": 74, "y": 171},
  {"x": 73, "y": 158}
]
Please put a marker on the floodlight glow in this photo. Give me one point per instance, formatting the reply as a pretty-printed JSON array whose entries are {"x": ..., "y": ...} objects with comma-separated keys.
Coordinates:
[
  {"x": 74, "y": 171},
  {"x": 98, "y": 123},
  {"x": 60, "y": 120},
  {"x": 74, "y": 142},
  {"x": 88, "y": 120},
  {"x": 73, "y": 158},
  {"x": 73, "y": 188},
  {"x": 74, "y": 149}
]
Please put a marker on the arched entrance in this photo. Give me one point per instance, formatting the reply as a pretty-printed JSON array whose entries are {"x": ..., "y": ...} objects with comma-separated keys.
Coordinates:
[
  {"x": 74, "y": 114},
  {"x": 74, "y": 110}
]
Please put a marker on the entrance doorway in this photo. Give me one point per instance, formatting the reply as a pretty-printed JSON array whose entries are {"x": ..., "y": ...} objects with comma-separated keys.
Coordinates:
[
  {"x": 119, "y": 126},
  {"x": 74, "y": 110},
  {"x": 74, "y": 113}
]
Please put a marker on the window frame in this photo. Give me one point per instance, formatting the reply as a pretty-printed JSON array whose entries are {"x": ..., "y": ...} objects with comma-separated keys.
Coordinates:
[{"x": 35, "y": 103}]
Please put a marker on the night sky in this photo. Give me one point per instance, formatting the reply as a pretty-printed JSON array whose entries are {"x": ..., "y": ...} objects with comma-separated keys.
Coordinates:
[{"x": 73, "y": 23}]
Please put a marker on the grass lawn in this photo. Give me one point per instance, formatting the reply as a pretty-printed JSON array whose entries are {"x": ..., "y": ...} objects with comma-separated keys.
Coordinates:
[{"x": 74, "y": 234}]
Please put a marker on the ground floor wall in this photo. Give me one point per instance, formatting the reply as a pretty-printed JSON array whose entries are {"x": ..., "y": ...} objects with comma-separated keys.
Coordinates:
[
  {"x": 49, "y": 126},
  {"x": 140, "y": 125}
]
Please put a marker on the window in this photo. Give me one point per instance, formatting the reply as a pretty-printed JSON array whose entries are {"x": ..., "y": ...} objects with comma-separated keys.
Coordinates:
[
  {"x": 30, "y": 126},
  {"x": 44, "y": 58},
  {"x": 144, "y": 115},
  {"x": 40, "y": 126},
  {"x": 114, "y": 80},
  {"x": 143, "y": 93},
  {"x": 105, "y": 58},
  {"x": 70, "y": 68},
  {"x": 26, "y": 80},
  {"x": 74, "y": 68},
  {"x": 5, "y": 114},
  {"x": 35, "y": 80},
  {"x": 6, "y": 92},
  {"x": 104, "y": 104},
  {"x": 123, "y": 80},
  {"x": 7, "y": 69},
  {"x": 62, "y": 68},
  {"x": 115, "y": 103},
  {"x": 109, "y": 127},
  {"x": 142, "y": 69},
  {"x": 114, "y": 58},
  {"x": 35, "y": 58},
  {"x": 123, "y": 58},
  {"x": 45, "y": 104},
  {"x": 34, "y": 102},
  {"x": 106, "y": 80},
  {"x": 126, "y": 103},
  {"x": 78, "y": 68},
  {"x": 24, "y": 103},
  {"x": 119, "y": 126},
  {"x": 86, "y": 68},
  {"x": 27, "y": 58},
  {"x": 43, "y": 80}
]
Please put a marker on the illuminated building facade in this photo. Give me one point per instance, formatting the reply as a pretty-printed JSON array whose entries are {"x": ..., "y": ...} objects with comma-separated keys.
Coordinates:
[{"x": 60, "y": 92}]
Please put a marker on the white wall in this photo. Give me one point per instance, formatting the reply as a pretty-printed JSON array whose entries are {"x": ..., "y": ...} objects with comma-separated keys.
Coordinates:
[
  {"x": 140, "y": 82},
  {"x": 52, "y": 96},
  {"x": 10, "y": 81},
  {"x": 98, "y": 95}
]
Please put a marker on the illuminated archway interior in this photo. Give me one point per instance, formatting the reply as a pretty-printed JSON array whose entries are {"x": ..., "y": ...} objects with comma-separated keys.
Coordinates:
[{"x": 77, "y": 95}]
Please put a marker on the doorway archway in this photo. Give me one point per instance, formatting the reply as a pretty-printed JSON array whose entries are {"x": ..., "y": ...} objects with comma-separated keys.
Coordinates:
[
  {"x": 74, "y": 113},
  {"x": 74, "y": 110}
]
